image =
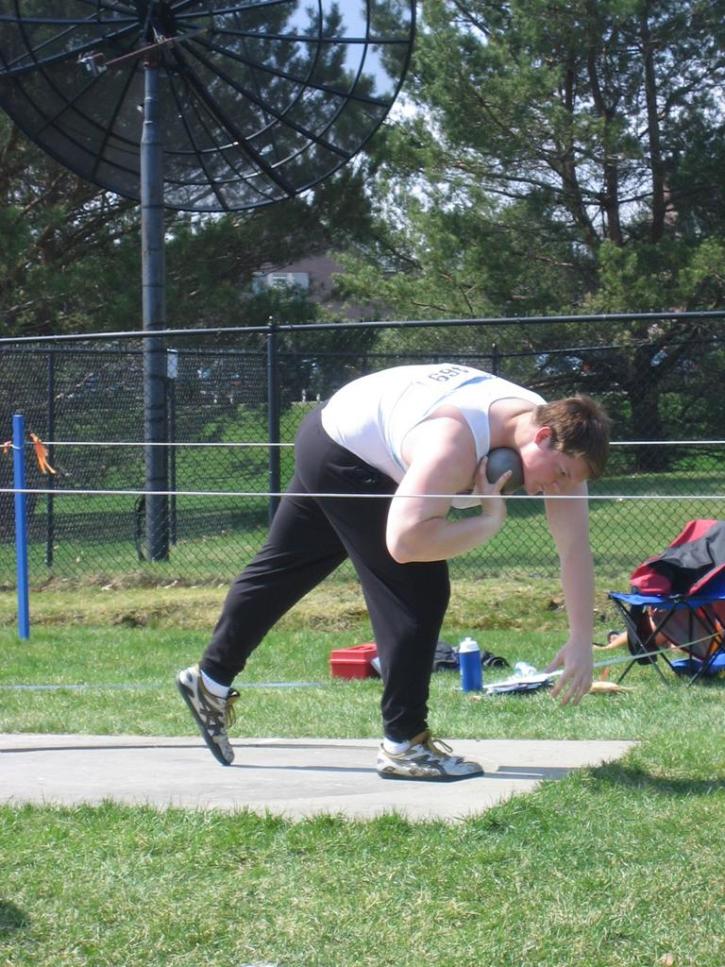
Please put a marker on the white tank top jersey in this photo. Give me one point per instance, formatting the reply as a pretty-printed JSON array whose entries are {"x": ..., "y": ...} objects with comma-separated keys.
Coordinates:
[{"x": 371, "y": 416}]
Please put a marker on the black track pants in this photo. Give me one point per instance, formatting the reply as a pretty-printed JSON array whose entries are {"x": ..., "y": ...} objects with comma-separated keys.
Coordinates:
[{"x": 308, "y": 539}]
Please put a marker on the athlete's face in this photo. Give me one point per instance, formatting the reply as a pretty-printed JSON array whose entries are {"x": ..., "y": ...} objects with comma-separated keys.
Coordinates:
[{"x": 548, "y": 470}]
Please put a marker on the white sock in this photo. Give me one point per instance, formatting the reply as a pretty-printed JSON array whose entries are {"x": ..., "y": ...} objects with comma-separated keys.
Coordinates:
[
  {"x": 221, "y": 691},
  {"x": 395, "y": 748}
]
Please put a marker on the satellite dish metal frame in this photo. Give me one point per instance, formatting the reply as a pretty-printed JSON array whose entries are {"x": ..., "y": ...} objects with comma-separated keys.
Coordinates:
[{"x": 309, "y": 152}]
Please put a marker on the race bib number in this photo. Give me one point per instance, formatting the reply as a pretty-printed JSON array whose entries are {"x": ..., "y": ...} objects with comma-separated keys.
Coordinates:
[{"x": 446, "y": 373}]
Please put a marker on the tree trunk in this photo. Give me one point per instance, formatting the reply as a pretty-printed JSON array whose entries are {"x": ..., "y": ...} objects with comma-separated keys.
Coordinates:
[
  {"x": 646, "y": 425},
  {"x": 659, "y": 207}
]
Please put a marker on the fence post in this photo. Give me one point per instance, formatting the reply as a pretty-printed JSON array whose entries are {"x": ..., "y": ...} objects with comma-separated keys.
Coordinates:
[
  {"x": 21, "y": 529},
  {"x": 273, "y": 418},
  {"x": 50, "y": 515},
  {"x": 495, "y": 359}
]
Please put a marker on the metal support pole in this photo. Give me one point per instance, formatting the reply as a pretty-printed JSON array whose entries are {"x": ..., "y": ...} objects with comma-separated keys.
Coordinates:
[
  {"x": 21, "y": 525},
  {"x": 172, "y": 370},
  {"x": 50, "y": 515},
  {"x": 154, "y": 318},
  {"x": 273, "y": 418}
]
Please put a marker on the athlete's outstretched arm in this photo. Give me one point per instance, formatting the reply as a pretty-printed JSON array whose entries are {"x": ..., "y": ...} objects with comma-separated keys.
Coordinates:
[{"x": 569, "y": 526}]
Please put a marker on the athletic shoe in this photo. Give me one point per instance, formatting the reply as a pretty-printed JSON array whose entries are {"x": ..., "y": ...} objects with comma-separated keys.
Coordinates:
[
  {"x": 213, "y": 714},
  {"x": 426, "y": 760}
]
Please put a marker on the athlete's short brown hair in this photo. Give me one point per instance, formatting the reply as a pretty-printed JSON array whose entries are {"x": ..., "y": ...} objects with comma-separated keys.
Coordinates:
[{"x": 580, "y": 427}]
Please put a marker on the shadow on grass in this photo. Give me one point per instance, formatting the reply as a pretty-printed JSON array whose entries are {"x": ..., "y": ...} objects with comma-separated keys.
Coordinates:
[
  {"x": 11, "y": 918},
  {"x": 635, "y": 778}
]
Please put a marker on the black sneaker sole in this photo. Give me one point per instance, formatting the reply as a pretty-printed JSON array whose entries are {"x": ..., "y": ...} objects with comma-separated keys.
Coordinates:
[
  {"x": 210, "y": 743},
  {"x": 392, "y": 775}
]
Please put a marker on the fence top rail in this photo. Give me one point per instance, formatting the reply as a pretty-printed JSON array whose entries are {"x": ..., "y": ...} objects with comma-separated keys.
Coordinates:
[
  {"x": 225, "y": 352},
  {"x": 379, "y": 324}
]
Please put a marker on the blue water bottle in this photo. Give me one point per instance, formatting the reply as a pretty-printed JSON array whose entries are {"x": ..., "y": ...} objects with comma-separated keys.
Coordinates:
[{"x": 469, "y": 660}]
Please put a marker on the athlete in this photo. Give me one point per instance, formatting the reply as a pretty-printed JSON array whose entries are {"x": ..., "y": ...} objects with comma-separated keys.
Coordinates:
[{"x": 395, "y": 448}]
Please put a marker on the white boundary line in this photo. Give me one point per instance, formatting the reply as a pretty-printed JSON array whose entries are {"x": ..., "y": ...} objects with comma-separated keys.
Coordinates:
[{"x": 140, "y": 686}]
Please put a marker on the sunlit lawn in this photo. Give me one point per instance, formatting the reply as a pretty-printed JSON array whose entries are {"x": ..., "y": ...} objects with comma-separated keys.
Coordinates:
[{"x": 610, "y": 867}]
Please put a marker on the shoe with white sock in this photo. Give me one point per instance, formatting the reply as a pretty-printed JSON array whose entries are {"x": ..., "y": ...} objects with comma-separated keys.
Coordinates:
[
  {"x": 212, "y": 713},
  {"x": 428, "y": 760}
]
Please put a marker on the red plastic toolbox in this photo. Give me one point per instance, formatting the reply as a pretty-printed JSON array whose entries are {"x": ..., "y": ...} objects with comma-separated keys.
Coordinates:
[{"x": 353, "y": 662}]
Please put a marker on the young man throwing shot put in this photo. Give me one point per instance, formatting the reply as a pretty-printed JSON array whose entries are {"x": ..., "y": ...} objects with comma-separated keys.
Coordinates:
[{"x": 413, "y": 436}]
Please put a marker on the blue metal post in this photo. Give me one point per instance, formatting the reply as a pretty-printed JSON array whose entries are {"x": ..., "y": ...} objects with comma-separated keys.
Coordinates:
[
  {"x": 21, "y": 530},
  {"x": 50, "y": 518}
]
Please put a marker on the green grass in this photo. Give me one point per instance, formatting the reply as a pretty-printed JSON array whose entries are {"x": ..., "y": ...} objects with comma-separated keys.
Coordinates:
[
  {"x": 522, "y": 885},
  {"x": 616, "y": 866}
]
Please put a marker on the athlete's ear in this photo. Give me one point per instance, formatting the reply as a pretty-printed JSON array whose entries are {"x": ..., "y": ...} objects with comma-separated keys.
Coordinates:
[{"x": 542, "y": 434}]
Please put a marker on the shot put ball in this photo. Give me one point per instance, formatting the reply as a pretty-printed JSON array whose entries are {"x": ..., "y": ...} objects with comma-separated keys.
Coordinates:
[{"x": 501, "y": 459}]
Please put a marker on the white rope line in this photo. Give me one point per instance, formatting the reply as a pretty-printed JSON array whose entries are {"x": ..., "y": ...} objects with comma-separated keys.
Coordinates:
[
  {"x": 126, "y": 443},
  {"x": 53, "y": 491},
  {"x": 666, "y": 443},
  {"x": 115, "y": 443}
]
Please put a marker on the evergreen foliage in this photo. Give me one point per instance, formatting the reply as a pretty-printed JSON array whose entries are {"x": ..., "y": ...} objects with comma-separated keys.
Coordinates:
[
  {"x": 70, "y": 254},
  {"x": 560, "y": 156}
]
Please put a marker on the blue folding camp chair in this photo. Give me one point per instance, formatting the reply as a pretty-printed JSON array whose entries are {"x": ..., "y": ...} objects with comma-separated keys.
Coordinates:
[{"x": 677, "y": 602}]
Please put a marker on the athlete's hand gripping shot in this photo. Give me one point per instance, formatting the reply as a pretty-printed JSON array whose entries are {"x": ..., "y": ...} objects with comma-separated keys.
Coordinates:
[{"x": 406, "y": 445}]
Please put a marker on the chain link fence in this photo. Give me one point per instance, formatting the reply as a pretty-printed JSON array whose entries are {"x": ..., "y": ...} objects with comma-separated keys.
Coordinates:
[{"x": 232, "y": 402}]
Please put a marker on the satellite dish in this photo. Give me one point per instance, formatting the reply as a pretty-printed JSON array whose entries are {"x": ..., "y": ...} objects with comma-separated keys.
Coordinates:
[
  {"x": 204, "y": 107},
  {"x": 258, "y": 100}
]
